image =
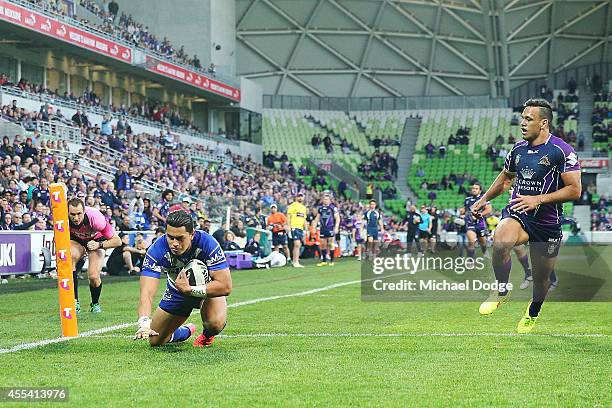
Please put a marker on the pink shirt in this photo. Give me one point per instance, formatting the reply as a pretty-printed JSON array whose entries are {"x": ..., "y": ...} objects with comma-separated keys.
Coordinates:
[{"x": 94, "y": 226}]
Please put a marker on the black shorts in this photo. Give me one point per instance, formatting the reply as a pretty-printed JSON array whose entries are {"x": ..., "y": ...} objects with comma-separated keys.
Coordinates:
[
  {"x": 412, "y": 236},
  {"x": 84, "y": 242},
  {"x": 542, "y": 238},
  {"x": 480, "y": 232},
  {"x": 326, "y": 233},
  {"x": 424, "y": 234},
  {"x": 279, "y": 238}
]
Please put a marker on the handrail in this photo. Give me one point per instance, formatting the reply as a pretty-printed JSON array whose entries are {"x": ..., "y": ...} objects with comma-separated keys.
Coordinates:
[
  {"x": 59, "y": 101},
  {"x": 59, "y": 131}
]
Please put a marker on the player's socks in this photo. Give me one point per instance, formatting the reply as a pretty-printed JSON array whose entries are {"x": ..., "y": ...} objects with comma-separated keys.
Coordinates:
[
  {"x": 182, "y": 333},
  {"x": 471, "y": 252},
  {"x": 75, "y": 282},
  {"x": 534, "y": 309},
  {"x": 95, "y": 293},
  {"x": 502, "y": 273},
  {"x": 524, "y": 260}
]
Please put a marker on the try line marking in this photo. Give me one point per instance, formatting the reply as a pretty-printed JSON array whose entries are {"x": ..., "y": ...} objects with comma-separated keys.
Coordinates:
[
  {"x": 98, "y": 332},
  {"x": 318, "y": 335},
  {"x": 92, "y": 333}
]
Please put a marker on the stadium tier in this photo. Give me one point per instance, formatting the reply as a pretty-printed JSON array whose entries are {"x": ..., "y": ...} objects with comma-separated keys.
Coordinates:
[{"x": 602, "y": 123}]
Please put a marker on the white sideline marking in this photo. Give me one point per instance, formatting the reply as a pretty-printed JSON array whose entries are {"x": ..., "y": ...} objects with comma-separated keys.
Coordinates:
[
  {"x": 269, "y": 335},
  {"x": 27, "y": 346},
  {"x": 90, "y": 333}
]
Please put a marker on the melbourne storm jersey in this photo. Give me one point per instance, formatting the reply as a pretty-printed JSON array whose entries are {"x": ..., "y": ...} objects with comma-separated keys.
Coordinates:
[
  {"x": 538, "y": 171},
  {"x": 327, "y": 219},
  {"x": 470, "y": 220},
  {"x": 160, "y": 259}
]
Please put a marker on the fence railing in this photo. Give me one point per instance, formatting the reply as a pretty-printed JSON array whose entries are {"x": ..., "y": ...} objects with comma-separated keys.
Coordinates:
[
  {"x": 64, "y": 103},
  {"x": 59, "y": 131}
]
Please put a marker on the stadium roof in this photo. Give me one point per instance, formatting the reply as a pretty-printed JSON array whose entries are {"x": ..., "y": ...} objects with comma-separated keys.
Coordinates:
[{"x": 415, "y": 47}]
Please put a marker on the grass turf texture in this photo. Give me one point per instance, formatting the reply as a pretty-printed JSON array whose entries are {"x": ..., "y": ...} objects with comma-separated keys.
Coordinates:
[{"x": 412, "y": 366}]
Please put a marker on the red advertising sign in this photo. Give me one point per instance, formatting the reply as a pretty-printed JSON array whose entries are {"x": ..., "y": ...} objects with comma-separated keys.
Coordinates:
[
  {"x": 593, "y": 163},
  {"x": 51, "y": 27},
  {"x": 192, "y": 78}
]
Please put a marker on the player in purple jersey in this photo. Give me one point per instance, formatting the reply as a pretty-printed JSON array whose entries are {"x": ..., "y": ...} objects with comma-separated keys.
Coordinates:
[
  {"x": 547, "y": 174},
  {"x": 328, "y": 223},
  {"x": 358, "y": 233},
  {"x": 475, "y": 224}
]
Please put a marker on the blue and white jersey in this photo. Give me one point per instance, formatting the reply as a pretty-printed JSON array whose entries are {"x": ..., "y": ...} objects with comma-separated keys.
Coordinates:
[
  {"x": 372, "y": 217},
  {"x": 160, "y": 259}
]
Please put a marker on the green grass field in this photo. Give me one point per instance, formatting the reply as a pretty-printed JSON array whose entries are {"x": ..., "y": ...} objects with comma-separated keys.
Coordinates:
[{"x": 323, "y": 347}]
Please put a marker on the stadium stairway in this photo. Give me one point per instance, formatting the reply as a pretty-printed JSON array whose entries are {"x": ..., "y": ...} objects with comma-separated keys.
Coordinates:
[
  {"x": 9, "y": 128},
  {"x": 585, "y": 109},
  {"x": 404, "y": 159}
]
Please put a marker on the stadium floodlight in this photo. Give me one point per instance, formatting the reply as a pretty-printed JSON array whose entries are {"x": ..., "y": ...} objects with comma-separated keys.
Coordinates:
[{"x": 63, "y": 259}]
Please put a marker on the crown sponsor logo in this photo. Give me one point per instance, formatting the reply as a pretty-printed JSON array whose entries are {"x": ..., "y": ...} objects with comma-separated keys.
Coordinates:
[{"x": 527, "y": 173}]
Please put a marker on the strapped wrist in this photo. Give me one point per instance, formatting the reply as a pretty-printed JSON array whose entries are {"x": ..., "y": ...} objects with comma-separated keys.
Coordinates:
[
  {"x": 144, "y": 322},
  {"x": 198, "y": 291}
]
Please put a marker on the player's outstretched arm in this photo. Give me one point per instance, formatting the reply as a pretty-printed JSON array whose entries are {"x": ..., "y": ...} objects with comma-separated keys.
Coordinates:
[
  {"x": 571, "y": 191},
  {"x": 148, "y": 288},
  {"x": 500, "y": 184}
]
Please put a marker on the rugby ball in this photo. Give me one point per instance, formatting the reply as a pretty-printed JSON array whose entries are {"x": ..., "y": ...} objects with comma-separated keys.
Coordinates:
[
  {"x": 460, "y": 222},
  {"x": 197, "y": 273}
]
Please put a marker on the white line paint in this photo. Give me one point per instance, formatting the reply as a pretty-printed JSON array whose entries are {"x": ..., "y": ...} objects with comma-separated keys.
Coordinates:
[
  {"x": 41, "y": 343},
  {"x": 27, "y": 346},
  {"x": 91, "y": 333},
  {"x": 359, "y": 335}
]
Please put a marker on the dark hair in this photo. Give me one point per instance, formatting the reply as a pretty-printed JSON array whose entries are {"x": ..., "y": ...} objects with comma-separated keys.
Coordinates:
[
  {"x": 180, "y": 219},
  {"x": 75, "y": 202},
  {"x": 166, "y": 192},
  {"x": 373, "y": 201},
  {"x": 545, "y": 108}
]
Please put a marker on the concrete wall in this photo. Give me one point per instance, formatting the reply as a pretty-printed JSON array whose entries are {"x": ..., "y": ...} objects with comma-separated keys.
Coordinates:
[
  {"x": 252, "y": 95},
  {"x": 223, "y": 34},
  {"x": 184, "y": 22}
]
